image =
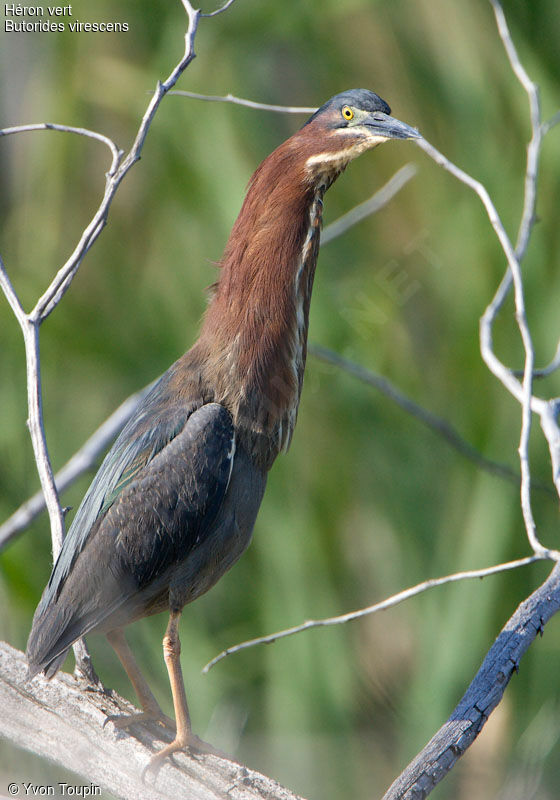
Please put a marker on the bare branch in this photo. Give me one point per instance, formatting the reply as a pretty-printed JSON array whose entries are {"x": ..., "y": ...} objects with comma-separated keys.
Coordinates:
[
  {"x": 30, "y": 331},
  {"x": 549, "y": 124},
  {"x": 60, "y": 721},
  {"x": 524, "y": 233},
  {"x": 65, "y": 275},
  {"x": 483, "y": 695},
  {"x": 240, "y": 101},
  {"x": 505, "y": 375},
  {"x": 548, "y": 412},
  {"x": 219, "y": 10},
  {"x": 82, "y": 461},
  {"x": 53, "y": 126},
  {"x": 375, "y": 203},
  {"x": 523, "y": 393},
  {"x": 515, "y": 63},
  {"x": 36, "y": 427},
  {"x": 527, "y": 220},
  {"x": 389, "y": 602},
  {"x": 440, "y": 426},
  {"x": 551, "y": 367}
]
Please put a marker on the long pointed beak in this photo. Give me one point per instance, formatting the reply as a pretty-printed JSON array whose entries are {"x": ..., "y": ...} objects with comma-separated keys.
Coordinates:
[{"x": 382, "y": 124}]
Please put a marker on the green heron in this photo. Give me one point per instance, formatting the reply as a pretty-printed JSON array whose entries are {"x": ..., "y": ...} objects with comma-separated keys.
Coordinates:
[{"x": 175, "y": 500}]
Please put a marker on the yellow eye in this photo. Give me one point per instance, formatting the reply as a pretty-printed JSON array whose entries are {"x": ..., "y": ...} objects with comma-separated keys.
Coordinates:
[{"x": 347, "y": 112}]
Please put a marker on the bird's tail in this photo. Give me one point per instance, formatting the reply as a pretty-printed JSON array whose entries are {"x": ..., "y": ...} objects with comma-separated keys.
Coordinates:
[
  {"x": 53, "y": 632},
  {"x": 45, "y": 651},
  {"x": 50, "y": 669},
  {"x": 59, "y": 622}
]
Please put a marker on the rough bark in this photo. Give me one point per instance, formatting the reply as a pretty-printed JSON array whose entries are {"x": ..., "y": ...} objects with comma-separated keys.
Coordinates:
[
  {"x": 63, "y": 721},
  {"x": 433, "y": 763}
]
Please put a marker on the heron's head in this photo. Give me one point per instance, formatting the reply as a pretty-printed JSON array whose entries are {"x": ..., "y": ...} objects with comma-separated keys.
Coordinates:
[{"x": 347, "y": 125}]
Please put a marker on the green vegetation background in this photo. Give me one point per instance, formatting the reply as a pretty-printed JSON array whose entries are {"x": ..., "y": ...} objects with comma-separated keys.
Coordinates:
[{"x": 366, "y": 502}]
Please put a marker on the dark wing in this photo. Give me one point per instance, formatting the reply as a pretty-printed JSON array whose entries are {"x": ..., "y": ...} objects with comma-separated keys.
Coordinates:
[
  {"x": 153, "y": 500},
  {"x": 155, "y": 424},
  {"x": 168, "y": 508}
]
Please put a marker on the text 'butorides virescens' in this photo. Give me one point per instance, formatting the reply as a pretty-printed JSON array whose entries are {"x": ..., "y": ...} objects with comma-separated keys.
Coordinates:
[{"x": 175, "y": 500}]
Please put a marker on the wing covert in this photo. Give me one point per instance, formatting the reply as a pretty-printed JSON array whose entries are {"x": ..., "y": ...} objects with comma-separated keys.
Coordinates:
[{"x": 169, "y": 508}]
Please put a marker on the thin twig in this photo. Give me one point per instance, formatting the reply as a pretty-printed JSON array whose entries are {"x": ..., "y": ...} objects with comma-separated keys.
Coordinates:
[
  {"x": 389, "y": 602},
  {"x": 524, "y": 233},
  {"x": 504, "y": 374},
  {"x": 548, "y": 411},
  {"x": 522, "y": 392},
  {"x": 376, "y": 202},
  {"x": 549, "y": 124},
  {"x": 30, "y": 331},
  {"x": 456, "y": 735},
  {"x": 240, "y": 101},
  {"x": 437, "y": 424},
  {"x": 82, "y": 461},
  {"x": 65, "y": 275},
  {"x": 432, "y": 421},
  {"x": 551, "y": 367},
  {"x": 53, "y": 126},
  {"x": 220, "y": 10}
]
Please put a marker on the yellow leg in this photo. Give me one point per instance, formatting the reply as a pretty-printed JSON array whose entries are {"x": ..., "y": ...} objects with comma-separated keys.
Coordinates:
[
  {"x": 150, "y": 706},
  {"x": 172, "y": 654},
  {"x": 184, "y": 738}
]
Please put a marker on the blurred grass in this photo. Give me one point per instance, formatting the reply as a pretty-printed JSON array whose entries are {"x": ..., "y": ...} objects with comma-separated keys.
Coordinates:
[{"x": 366, "y": 502}]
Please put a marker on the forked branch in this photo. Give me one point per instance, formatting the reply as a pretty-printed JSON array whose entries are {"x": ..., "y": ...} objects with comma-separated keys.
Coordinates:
[
  {"x": 30, "y": 322},
  {"x": 485, "y": 692},
  {"x": 61, "y": 282}
]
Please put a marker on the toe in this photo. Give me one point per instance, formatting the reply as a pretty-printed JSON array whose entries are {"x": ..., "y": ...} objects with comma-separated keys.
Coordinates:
[{"x": 123, "y": 721}]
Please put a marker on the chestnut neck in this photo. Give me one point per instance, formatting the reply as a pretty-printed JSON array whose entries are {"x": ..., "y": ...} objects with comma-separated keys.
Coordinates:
[{"x": 255, "y": 329}]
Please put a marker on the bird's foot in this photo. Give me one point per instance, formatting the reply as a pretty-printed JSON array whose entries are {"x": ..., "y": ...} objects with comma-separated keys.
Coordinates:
[
  {"x": 188, "y": 742},
  {"x": 122, "y": 721}
]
